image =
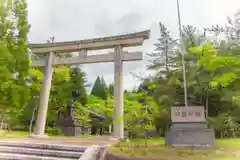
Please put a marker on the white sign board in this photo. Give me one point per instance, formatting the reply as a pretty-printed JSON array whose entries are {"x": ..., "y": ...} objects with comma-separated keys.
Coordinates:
[{"x": 189, "y": 114}]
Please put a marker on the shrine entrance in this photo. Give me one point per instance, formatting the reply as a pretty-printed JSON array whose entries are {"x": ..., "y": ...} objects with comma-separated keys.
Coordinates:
[{"x": 48, "y": 50}]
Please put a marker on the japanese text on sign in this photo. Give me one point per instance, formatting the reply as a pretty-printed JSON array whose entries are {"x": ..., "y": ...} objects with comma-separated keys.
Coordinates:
[{"x": 189, "y": 114}]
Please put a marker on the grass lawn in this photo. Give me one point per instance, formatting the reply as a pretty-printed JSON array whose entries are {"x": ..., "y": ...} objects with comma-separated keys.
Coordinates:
[
  {"x": 157, "y": 151},
  {"x": 229, "y": 143}
]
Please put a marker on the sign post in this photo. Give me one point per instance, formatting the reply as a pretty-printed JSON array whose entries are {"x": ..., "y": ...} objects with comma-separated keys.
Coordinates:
[{"x": 189, "y": 128}]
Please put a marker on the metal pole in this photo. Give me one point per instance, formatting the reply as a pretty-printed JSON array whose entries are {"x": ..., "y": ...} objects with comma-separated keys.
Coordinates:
[{"x": 183, "y": 51}]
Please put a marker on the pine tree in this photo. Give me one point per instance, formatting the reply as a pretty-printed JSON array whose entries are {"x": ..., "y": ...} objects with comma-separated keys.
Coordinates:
[
  {"x": 96, "y": 87},
  {"x": 163, "y": 57},
  {"x": 104, "y": 89},
  {"x": 99, "y": 88},
  {"x": 192, "y": 37},
  {"x": 78, "y": 80},
  {"x": 231, "y": 30},
  {"x": 111, "y": 89}
]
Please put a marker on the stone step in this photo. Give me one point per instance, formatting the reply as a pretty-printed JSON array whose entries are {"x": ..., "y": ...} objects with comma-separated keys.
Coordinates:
[
  {"x": 10, "y": 156},
  {"x": 37, "y": 151},
  {"x": 57, "y": 147},
  {"x": 40, "y": 152}
]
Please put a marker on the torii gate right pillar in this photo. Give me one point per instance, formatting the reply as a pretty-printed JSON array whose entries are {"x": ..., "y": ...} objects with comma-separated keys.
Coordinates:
[{"x": 118, "y": 121}]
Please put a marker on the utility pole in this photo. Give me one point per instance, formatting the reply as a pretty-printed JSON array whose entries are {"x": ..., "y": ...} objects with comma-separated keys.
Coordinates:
[{"x": 183, "y": 51}]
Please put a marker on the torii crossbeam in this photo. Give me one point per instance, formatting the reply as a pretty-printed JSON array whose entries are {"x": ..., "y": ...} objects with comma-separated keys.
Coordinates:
[{"x": 82, "y": 46}]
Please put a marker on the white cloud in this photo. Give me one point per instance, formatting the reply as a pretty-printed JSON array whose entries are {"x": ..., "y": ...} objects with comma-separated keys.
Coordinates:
[{"x": 74, "y": 19}]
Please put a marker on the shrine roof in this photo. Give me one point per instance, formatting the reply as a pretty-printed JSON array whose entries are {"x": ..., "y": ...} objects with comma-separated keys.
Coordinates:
[{"x": 92, "y": 112}]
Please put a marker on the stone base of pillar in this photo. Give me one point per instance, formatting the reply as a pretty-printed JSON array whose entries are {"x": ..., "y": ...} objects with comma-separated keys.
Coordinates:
[{"x": 38, "y": 136}]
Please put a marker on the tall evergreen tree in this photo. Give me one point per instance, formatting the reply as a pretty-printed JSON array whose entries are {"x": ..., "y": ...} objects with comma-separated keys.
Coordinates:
[
  {"x": 78, "y": 80},
  {"x": 163, "y": 57},
  {"x": 231, "y": 30},
  {"x": 104, "y": 89},
  {"x": 99, "y": 88},
  {"x": 192, "y": 37},
  {"x": 96, "y": 87},
  {"x": 111, "y": 89}
]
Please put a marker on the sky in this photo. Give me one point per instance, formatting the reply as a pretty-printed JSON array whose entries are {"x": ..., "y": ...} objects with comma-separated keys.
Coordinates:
[{"x": 68, "y": 20}]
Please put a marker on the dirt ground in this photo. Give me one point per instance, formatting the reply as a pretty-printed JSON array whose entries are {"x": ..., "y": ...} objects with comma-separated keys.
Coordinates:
[{"x": 101, "y": 140}]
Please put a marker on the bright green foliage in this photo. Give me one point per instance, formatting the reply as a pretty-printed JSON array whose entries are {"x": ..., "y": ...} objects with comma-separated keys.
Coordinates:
[
  {"x": 82, "y": 114},
  {"x": 99, "y": 105},
  {"x": 96, "y": 104},
  {"x": 14, "y": 54},
  {"x": 139, "y": 118},
  {"x": 102, "y": 107},
  {"x": 223, "y": 67},
  {"x": 65, "y": 82},
  {"x": 60, "y": 92},
  {"x": 35, "y": 81},
  {"x": 212, "y": 72},
  {"x": 225, "y": 123}
]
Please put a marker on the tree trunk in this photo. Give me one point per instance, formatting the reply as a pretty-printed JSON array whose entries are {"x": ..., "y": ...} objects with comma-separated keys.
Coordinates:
[
  {"x": 166, "y": 54},
  {"x": 2, "y": 124},
  {"x": 5, "y": 129},
  {"x": 221, "y": 132},
  {"x": 206, "y": 109},
  {"x": 110, "y": 129},
  {"x": 233, "y": 133},
  {"x": 30, "y": 127},
  {"x": 146, "y": 143}
]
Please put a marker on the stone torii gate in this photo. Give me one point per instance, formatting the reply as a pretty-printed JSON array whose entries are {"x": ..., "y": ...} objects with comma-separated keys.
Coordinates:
[{"x": 48, "y": 51}]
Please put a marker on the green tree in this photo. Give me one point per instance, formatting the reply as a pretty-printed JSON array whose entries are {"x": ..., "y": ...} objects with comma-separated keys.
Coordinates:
[
  {"x": 104, "y": 89},
  {"x": 165, "y": 80},
  {"x": 163, "y": 57},
  {"x": 14, "y": 56},
  {"x": 212, "y": 77},
  {"x": 28, "y": 112},
  {"x": 111, "y": 89},
  {"x": 231, "y": 30},
  {"x": 213, "y": 71},
  {"x": 99, "y": 88},
  {"x": 61, "y": 93},
  {"x": 78, "y": 80}
]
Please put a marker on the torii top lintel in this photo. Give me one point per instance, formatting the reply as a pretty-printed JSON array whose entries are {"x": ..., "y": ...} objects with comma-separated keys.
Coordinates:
[{"x": 127, "y": 40}]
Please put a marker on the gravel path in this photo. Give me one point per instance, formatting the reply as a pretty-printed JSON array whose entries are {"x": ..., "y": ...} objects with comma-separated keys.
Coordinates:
[{"x": 100, "y": 140}]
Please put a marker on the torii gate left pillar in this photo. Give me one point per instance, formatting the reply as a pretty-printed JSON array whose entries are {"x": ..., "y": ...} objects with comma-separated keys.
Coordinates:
[
  {"x": 118, "y": 122},
  {"x": 44, "y": 96}
]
